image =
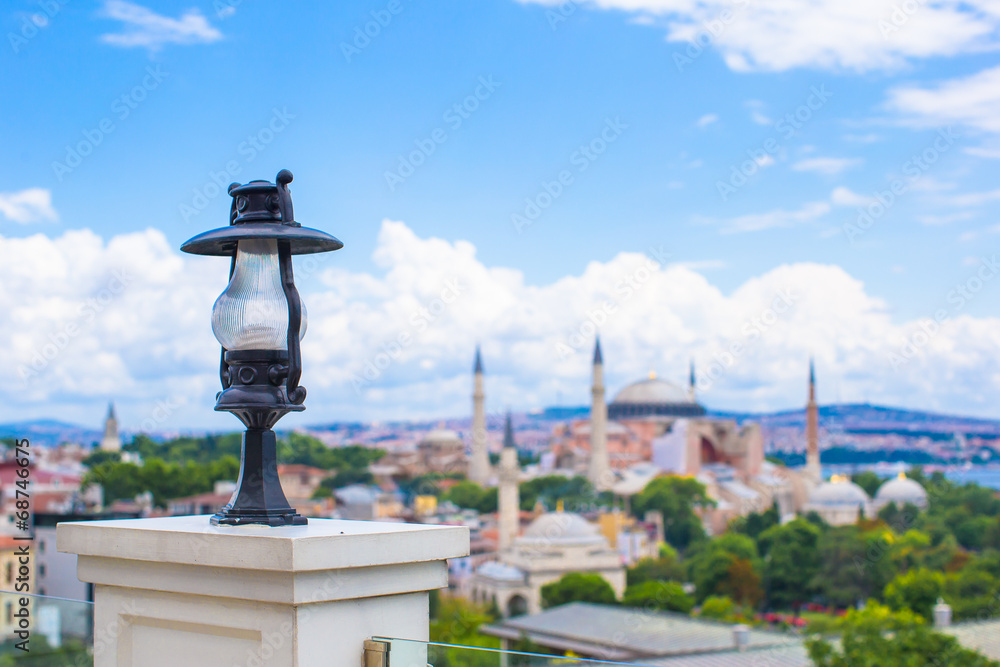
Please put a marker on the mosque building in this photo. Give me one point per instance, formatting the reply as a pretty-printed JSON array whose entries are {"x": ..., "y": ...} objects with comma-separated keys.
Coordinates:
[
  {"x": 652, "y": 427},
  {"x": 554, "y": 544}
]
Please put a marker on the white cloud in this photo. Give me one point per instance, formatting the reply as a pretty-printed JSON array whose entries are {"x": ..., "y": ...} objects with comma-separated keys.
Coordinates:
[
  {"x": 983, "y": 151},
  {"x": 826, "y": 34},
  {"x": 151, "y": 342},
  {"x": 757, "y": 112},
  {"x": 826, "y": 165},
  {"x": 701, "y": 264},
  {"x": 764, "y": 160},
  {"x": 146, "y": 29},
  {"x": 945, "y": 219},
  {"x": 971, "y": 101},
  {"x": 842, "y": 196},
  {"x": 869, "y": 138},
  {"x": 707, "y": 120},
  {"x": 27, "y": 206},
  {"x": 970, "y": 199},
  {"x": 777, "y": 218}
]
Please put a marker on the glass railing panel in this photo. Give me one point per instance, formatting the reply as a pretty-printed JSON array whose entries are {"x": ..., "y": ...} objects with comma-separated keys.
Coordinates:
[
  {"x": 410, "y": 653},
  {"x": 42, "y": 630}
]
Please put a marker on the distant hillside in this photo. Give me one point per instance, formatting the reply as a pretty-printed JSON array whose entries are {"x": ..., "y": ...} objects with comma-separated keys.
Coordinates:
[
  {"x": 50, "y": 432},
  {"x": 860, "y": 418},
  {"x": 866, "y": 418}
]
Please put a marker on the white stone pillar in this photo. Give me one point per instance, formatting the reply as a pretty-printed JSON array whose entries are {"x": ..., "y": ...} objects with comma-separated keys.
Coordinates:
[
  {"x": 479, "y": 459},
  {"x": 179, "y": 591},
  {"x": 508, "y": 498},
  {"x": 599, "y": 470}
]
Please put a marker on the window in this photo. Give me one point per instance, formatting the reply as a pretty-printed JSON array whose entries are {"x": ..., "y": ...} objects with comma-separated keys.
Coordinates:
[{"x": 41, "y": 570}]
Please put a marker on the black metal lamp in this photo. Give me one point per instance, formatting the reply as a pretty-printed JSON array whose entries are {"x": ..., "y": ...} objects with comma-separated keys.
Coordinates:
[{"x": 259, "y": 320}]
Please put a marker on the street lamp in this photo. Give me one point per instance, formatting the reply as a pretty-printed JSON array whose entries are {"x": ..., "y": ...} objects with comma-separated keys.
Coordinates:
[{"x": 259, "y": 320}]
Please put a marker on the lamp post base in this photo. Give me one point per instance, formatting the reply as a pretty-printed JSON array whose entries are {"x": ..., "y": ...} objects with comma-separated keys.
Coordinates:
[
  {"x": 258, "y": 498},
  {"x": 243, "y": 518}
]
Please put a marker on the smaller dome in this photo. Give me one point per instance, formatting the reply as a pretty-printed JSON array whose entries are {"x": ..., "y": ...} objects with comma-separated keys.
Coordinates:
[
  {"x": 441, "y": 435},
  {"x": 901, "y": 491},
  {"x": 561, "y": 528},
  {"x": 500, "y": 571},
  {"x": 838, "y": 491}
]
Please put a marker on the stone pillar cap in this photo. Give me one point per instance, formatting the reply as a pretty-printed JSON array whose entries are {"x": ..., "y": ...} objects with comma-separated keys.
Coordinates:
[{"x": 324, "y": 544}]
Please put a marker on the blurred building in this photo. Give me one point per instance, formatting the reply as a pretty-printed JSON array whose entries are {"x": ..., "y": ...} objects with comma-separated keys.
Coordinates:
[
  {"x": 10, "y": 573},
  {"x": 112, "y": 441}
]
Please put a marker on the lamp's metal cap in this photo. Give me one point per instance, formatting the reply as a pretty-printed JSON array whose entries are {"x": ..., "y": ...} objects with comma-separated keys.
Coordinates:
[{"x": 262, "y": 210}]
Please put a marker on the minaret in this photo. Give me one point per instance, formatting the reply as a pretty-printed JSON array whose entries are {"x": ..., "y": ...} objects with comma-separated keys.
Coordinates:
[
  {"x": 479, "y": 462},
  {"x": 599, "y": 472},
  {"x": 813, "y": 469},
  {"x": 691, "y": 394},
  {"x": 509, "y": 500},
  {"x": 111, "y": 442}
]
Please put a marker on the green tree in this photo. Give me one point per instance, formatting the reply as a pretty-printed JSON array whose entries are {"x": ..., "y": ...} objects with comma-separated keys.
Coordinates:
[
  {"x": 755, "y": 523},
  {"x": 743, "y": 583},
  {"x": 970, "y": 591},
  {"x": 868, "y": 481},
  {"x": 165, "y": 480},
  {"x": 457, "y": 622},
  {"x": 576, "y": 493},
  {"x": 578, "y": 587},
  {"x": 718, "y": 607},
  {"x": 909, "y": 549},
  {"x": 876, "y": 636},
  {"x": 676, "y": 498},
  {"x": 470, "y": 495},
  {"x": 186, "y": 448},
  {"x": 662, "y": 595},
  {"x": 791, "y": 562},
  {"x": 100, "y": 456},
  {"x": 664, "y": 568},
  {"x": 717, "y": 566},
  {"x": 917, "y": 590},
  {"x": 853, "y": 565}
]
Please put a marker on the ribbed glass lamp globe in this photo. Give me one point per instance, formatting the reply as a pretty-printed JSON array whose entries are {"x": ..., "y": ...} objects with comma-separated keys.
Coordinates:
[{"x": 252, "y": 314}]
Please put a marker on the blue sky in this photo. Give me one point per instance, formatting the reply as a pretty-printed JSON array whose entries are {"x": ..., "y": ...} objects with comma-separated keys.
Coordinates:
[{"x": 164, "y": 97}]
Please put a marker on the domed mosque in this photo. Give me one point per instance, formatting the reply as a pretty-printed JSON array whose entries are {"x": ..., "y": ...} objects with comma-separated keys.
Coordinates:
[
  {"x": 655, "y": 423},
  {"x": 902, "y": 491},
  {"x": 839, "y": 502},
  {"x": 554, "y": 544}
]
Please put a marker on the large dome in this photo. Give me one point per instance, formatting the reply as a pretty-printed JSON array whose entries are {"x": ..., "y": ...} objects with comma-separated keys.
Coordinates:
[
  {"x": 838, "y": 491},
  {"x": 561, "y": 528},
  {"x": 901, "y": 491},
  {"x": 652, "y": 390},
  {"x": 653, "y": 397}
]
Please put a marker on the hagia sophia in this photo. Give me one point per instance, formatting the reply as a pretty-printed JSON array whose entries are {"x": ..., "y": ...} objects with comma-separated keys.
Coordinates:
[{"x": 652, "y": 427}]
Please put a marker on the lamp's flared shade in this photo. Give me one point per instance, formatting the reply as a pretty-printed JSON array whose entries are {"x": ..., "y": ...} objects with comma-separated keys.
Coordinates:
[{"x": 252, "y": 314}]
